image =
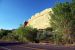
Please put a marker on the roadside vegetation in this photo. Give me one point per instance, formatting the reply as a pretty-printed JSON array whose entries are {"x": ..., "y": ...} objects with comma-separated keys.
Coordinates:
[
  {"x": 63, "y": 23},
  {"x": 26, "y": 34}
]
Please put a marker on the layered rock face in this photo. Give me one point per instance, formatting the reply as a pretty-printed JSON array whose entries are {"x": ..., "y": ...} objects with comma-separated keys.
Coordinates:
[{"x": 40, "y": 20}]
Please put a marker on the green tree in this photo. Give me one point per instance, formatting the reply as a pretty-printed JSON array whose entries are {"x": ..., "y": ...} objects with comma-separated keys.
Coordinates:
[
  {"x": 63, "y": 20},
  {"x": 32, "y": 35},
  {"x": 4, "y": 32},
  {"x": 24, "y": 34},
  {"x": 20, "y": 33},
  {"x": 45, "y": 35}
]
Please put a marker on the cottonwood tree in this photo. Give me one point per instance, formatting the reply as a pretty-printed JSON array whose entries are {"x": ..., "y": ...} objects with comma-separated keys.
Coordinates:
[{"x": 63, "y": 21}]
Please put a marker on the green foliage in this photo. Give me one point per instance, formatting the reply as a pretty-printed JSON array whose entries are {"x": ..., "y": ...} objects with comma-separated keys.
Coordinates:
[
  {"x": 4, "y": 32},
  {"x": 31, "y": 36},
  {"x": 9, "y": 37},
  {"x": 63, "y": 21},
  {"x": 45, "y": 35},
  {"x": 24, "y": 34}
]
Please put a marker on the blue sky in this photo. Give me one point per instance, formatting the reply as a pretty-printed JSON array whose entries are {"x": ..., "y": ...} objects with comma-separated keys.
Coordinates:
[{"x": 15, "y": 12}]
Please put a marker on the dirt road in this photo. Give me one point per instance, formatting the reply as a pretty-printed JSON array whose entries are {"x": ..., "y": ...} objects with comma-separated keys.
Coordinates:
[{"x": 31, "y": 46}]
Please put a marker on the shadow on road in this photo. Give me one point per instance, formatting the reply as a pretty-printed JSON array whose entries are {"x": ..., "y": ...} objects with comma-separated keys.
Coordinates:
[{"x": 10, "y": 43}]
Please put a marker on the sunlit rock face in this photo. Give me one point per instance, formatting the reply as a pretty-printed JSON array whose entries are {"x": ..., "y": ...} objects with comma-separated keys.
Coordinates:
[{"x": 40, "y": 20}]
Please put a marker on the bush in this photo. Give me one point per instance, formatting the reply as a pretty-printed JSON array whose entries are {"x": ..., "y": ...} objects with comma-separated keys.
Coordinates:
[
  {"x": 45, "y": 35},
  {"x": 4, "y": 32},
  {"x": 24, "y": 34}
]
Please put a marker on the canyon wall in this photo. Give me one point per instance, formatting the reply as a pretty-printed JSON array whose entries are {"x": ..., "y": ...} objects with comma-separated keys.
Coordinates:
[{"x": 40, "y": 20}]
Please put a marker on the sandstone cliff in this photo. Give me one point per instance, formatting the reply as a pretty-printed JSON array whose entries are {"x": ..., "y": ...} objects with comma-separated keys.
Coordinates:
[{"x": 40, "y": 20}]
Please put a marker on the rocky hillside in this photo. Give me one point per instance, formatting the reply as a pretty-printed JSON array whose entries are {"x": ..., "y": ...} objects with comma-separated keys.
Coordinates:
[{"x": 40, "y": 20}]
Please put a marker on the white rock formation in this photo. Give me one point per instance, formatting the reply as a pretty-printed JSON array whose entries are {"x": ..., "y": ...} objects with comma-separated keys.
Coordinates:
[{"x": 40, "y": 20}]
